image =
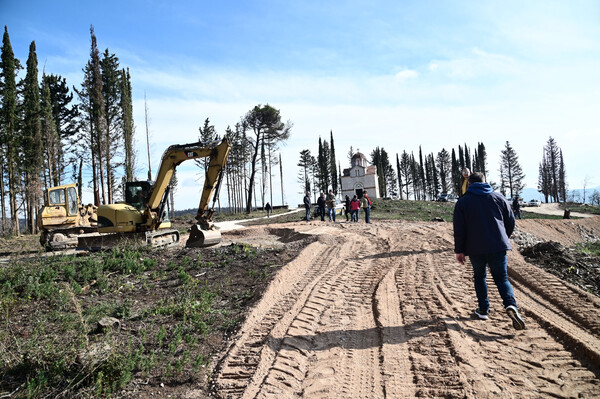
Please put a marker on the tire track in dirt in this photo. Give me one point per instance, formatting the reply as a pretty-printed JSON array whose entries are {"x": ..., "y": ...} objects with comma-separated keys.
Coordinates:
[
  {"x": 532, "y": 359},
  {"x": 342, "y": 340},
  {"x": 241, "y": 364},
  {"x": 385, "y": 311}
]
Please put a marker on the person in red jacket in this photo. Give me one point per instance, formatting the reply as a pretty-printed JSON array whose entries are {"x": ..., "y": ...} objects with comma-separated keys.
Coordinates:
[{"x": 354, "y": 207}]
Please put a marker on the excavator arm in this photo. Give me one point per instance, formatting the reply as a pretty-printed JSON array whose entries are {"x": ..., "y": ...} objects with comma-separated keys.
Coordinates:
[{"x": 173, "y": 157}]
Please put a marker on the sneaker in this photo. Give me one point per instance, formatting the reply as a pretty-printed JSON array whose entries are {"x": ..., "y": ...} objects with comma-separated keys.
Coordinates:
[
  {"x": 482, "y": 315},
  {"x": 517, "y": 321}
]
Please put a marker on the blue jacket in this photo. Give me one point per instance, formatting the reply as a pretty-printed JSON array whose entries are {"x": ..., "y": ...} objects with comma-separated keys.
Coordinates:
[{"x": 483, "y": 221}]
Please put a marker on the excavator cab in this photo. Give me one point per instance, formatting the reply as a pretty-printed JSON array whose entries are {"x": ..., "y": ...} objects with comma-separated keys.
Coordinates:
[
  {"x": 137, "y": 193},
  {"x": 63, "y": 217}
]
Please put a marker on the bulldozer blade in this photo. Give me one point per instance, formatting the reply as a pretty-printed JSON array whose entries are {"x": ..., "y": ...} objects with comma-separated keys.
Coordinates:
[{"x": 203, "y": 238}]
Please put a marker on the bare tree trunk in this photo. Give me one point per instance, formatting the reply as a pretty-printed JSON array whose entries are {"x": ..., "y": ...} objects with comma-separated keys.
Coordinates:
[
  {"x": 2, "y": 199},
  {"x": 281, "y": 175},
  {"x": 147, "y": 138}
]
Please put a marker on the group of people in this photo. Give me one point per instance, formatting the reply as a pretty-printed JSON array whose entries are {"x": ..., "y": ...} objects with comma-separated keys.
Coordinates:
[
  {"x": 326, "y": 205},
  {"x": 483, "y": 222}
]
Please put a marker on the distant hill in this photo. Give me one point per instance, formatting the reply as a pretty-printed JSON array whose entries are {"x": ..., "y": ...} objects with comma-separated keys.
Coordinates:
[{"x": 577, "y": 194}]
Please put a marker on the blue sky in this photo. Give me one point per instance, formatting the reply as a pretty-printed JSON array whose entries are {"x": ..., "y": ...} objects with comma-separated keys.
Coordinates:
[{"x": 393, "y": 74}]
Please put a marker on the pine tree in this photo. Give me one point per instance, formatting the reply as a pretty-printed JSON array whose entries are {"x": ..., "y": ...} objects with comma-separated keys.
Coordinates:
[
  {"x": 544, "y": 179},
  {"x": 511, "y": 173},
  {"x": 405, "y": 171},
  {"x": 207, "y": 135},
  {"x": 52, "y": 144},
  {"x": 9, "y": 128},
  {"x": 305, "y": 164},
  {"x": 262, "y": 120},
  {"x": 66, "y": 118},
  {"x": 551, "y": 166}
]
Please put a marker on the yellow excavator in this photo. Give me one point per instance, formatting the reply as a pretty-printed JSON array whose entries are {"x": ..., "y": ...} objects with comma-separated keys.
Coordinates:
[
  {"x": 144, "y": 214},
  {"x": 62, "y": 217}
]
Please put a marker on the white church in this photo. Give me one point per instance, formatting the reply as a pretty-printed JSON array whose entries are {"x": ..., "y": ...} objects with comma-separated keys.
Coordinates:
[{"x": 360, "y": 177}]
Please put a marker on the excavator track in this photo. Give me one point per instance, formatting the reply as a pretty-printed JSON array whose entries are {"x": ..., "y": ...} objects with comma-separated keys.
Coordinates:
[
  {"x": 100, "y": 242},
  {"x": 65, "y": 238}
]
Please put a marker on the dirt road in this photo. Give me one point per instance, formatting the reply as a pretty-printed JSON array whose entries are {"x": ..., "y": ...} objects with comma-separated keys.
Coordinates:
[
  {"x": 384, "y": 311},
  {"x": 553, "y": 208}
]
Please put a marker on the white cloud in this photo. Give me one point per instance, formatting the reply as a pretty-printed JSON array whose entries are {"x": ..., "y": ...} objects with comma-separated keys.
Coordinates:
[{"x": 406, "y": 74}]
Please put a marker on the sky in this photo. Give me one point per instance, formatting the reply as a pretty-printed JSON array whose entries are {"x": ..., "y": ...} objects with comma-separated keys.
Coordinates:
[{"x": 398, "y": 75}]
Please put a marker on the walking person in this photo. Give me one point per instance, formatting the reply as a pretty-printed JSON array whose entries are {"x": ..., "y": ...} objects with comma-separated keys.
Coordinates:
[
  {"x": 268, "y": 209},
  {"x": 331, "y": 205},
  {"x": 307, "y": 205},
  {"x": 516, "y": 206},
  {"x": 347, "y": 208},
  {"x": 365, "y": 204},
  {"x": 483, "y": 223},
  {"x": 354, "y": 207},
  {"x": 321, "y": 206}
]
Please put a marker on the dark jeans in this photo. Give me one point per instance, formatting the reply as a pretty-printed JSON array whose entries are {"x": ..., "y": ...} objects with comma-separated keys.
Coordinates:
[
  {"x": 322, "y": 212},
  {"x": 307, "y": 214},
  {"x": 498, "y": 268},
  {"x": 367, "y": 214}
]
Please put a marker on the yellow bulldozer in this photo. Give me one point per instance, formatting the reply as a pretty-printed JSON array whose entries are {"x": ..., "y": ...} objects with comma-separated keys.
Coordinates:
[
  {"x": 62, "y": 217},
  {"x": 143, "y": 216}
]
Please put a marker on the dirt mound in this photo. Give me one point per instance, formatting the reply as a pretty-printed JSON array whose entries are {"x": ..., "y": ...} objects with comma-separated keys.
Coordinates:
[
  {"x": 570, "y": 265},
  {"x": 566, "y": 232}
]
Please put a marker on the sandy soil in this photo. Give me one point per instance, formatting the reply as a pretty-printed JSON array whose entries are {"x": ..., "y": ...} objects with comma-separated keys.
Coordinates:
[{"x": 384, "y": 311}]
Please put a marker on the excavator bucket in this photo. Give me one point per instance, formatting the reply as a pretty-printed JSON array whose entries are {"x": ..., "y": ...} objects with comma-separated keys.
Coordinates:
[{"x": 203, "y": 238}]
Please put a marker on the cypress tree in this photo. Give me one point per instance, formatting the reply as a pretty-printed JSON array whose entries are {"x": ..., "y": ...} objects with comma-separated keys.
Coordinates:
[
  {"x": 98, "y": 110},
  {"x": 455, "y": 174},
  {"x": 9, "y": 127},
  {"x": 444, "y": 164},
  {"x": 128, "y": 125},
  {"x": 399, "y": 176},
  {"x": 32, "y": 137},
  {"x": 423, "y": 187},
  {"x": 562, "y": 179},
  {"x": 333, "y": 166},
  {"x": 111, "y": 93},
  {"x": 468, "y": 164},
  {"x": 434, "y": 174}
]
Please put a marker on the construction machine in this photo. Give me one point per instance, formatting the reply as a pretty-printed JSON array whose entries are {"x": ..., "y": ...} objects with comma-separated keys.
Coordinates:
[
  {"x": 144, "y": 214},
  {"x": 62, "y": 217}
]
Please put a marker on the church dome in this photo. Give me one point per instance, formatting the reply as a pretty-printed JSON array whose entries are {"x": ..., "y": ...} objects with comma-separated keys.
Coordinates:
[{"x": 359, "y": 159}]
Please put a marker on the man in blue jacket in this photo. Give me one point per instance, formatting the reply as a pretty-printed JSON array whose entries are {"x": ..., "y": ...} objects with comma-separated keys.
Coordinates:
[{"x": 483, "y": 222}]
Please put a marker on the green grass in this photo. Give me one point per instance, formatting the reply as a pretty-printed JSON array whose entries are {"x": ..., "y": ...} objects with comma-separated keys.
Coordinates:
[
  {"x": 590, "y": 248},
  {"x": 50, "y": 308}
]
